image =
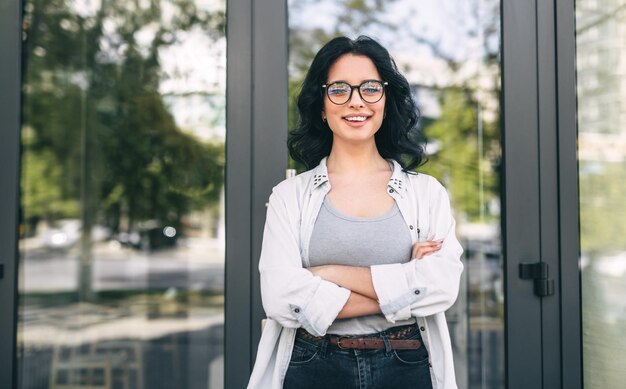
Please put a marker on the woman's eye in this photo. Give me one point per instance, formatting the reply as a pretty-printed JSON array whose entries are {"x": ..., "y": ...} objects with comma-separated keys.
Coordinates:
[
  {"x": 371, "y": 90},
  {"x": 338, "y": 91}
]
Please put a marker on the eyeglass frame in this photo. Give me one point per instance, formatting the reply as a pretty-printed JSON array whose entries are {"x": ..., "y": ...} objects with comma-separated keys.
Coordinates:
[{"x": 352, "y": 88}]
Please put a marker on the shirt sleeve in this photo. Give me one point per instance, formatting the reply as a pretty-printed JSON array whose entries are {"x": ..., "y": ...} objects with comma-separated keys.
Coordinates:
[
  {"x": 424, "y": 287},
  {"x": 291, "y": 294}
]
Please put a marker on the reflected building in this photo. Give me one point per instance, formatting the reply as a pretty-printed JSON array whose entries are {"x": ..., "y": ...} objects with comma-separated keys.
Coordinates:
[
  {"x": 601, "y": 87},
  {"x": 122, "y": 251}
]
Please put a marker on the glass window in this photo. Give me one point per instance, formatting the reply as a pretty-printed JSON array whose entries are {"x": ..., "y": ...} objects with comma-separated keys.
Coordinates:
[
  {"x": 601, "y": 88},
  {"x": 449, "y": 52},
  {"x": 121, "y": 278}
]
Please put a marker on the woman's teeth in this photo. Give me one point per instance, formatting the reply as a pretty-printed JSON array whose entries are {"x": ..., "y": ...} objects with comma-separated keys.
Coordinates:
[{"x": 356, "y": 118}]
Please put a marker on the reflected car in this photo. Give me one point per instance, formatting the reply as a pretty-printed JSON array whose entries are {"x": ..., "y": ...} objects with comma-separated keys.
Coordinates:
[
  {"x": 150, "y": 236},
  {"x": 65, "y": 233}
]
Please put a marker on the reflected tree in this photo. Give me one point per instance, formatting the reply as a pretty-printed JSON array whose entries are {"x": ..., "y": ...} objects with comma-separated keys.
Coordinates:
[
  {"x": 466, "y": 132},
  {"x": 99, "y": 142}
]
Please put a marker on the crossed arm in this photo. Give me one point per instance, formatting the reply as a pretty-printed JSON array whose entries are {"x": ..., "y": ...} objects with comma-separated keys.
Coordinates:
[{"x": 363, "y": 299}]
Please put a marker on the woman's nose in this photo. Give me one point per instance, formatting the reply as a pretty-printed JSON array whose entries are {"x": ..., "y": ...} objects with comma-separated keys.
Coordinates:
[{"x": 355, "y": 99}]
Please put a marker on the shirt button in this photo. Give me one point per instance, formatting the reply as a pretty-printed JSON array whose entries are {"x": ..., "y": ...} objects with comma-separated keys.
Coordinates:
[
  {"x": 390, "y": 190},
  {"x": 411, "y": 227},
  {"x": 422, "y": 329},
  {"x": 417, "y": 291},
  {"x": 297, "y": 310}
]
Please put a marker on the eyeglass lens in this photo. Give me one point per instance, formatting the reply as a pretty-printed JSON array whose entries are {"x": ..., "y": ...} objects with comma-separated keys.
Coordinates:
[{"x": 341, "y": 92}]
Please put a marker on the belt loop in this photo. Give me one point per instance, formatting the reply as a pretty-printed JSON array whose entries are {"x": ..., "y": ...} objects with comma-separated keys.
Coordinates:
[
  {"x": 387, "y": 344},
  {"x": 324, "y": 346}
]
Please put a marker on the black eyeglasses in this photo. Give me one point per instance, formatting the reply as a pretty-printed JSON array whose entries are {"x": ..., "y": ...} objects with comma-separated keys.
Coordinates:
[{"x": 340, "y": 92}]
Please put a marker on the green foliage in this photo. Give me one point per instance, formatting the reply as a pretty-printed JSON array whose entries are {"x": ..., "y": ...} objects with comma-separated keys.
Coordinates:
[
  {"x": 458, "y": 160},
  {"x": 602, "y": 211},
  {"x": 92, "y": 102},
  {"x": 41, "y": 193}
]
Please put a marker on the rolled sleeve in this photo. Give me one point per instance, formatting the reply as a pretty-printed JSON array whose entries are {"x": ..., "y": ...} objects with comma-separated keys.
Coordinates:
[
  {"x": 322, "y": 309},
  {"x": 421, "y": 287},
  {"x": 426, "y": 286},
  {"x": 395, "y": 295},
  {"x": 291, "y": 294}
]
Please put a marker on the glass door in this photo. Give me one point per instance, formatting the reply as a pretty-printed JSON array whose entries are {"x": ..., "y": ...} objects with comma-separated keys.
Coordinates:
[
  {"x": 121, "y": 245},
  {"x": 450, "y": 54},
  {"x": 601, "y": 87}
]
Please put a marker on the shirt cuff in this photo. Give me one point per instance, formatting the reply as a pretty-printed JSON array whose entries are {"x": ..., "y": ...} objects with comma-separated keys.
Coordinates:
[
  {"x": 322, "y": 309},
  {"x": 394, "y": 294}
]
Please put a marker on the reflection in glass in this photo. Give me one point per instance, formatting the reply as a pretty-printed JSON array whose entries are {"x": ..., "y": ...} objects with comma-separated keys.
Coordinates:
[
  {"x": 122, "y": 231},
  {"x": 601, "y": 87},
  {"x": 449, "y": 52}
]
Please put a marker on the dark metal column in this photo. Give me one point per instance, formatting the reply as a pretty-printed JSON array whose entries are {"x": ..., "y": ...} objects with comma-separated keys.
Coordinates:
[
  {"x": 10, "y": 79},
  {"x": 549, "y": 189},
  {"x": 237, "y": 358},
  {"x": 256, "y": 159},
  {"x": 541, "y": 193},
  {"x": 269, "y": 127},
  {"x": 569, "y": 239},
  {"x": 521, "y": 206}
]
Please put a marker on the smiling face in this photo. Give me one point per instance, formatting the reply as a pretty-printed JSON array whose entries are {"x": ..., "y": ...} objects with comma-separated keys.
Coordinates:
[{"x": 355, "y": 121}]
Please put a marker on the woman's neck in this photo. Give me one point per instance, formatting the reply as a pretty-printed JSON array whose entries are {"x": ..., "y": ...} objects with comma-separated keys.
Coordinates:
[{"x": 355, "y": 160}]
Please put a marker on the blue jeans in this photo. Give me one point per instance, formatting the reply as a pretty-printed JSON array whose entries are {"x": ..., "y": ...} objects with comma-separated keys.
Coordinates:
[{"x": 320, "y": 365}]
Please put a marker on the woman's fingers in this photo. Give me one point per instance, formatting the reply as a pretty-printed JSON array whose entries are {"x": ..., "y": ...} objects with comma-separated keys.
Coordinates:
[{"x": 421, "y": 249}]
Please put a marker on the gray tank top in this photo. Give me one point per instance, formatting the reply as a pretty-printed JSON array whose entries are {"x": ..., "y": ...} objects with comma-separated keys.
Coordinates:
[{"x": 339, "y": 239}]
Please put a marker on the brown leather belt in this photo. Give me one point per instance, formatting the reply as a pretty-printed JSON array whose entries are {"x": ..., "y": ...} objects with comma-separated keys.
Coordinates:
[
  {"x": 373, "y": 343},
  {"x": 368, "y": 342}
]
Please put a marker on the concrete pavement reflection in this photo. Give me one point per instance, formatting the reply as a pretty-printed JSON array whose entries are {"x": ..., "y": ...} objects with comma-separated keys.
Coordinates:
[{"x": 156, "y": 320}]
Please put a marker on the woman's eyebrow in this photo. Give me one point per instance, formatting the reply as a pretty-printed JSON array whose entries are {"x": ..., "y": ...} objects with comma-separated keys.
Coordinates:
[
  {"x": 332, "y": 82},
  {"x": 362, "y": 81}
]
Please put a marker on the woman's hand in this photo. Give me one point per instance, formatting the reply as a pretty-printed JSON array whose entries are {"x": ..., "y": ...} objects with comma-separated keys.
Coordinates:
[{"x": 421, "y": 249}]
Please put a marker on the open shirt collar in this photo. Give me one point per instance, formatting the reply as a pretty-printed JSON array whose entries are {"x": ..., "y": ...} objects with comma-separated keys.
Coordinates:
[{"x": 395, "y": 185}]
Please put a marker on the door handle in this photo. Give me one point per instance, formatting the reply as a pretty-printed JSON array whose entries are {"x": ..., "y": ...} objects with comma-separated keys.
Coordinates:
[{"x": 539, "y": 273}]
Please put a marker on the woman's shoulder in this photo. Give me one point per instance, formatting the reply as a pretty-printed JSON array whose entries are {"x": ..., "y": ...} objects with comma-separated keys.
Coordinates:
[
  {"x": 426, "y": 183},
  {"x": 421, "y": 178},
  {"x": 300, "y": 183},
  {"x": 417, "y": 180},
  {"x": 294, "y": 185}
]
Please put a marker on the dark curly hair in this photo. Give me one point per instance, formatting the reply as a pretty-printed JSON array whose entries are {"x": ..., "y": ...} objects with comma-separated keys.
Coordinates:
[{"x": 398, "y": 137}]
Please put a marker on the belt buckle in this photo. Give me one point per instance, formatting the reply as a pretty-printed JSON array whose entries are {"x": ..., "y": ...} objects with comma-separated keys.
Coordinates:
[{"x": 339, "y": 343}]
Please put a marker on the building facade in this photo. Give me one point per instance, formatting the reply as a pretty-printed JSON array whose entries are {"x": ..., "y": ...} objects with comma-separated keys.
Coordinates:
[{"x": 140, "y": 142}]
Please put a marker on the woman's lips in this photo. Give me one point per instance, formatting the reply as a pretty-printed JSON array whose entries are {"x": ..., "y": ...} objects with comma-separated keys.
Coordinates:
[{"x": 356, "y": 123}]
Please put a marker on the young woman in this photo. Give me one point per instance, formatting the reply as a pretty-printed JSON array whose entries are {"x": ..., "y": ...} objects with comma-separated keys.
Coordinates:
[{"x": 359, "y": 259}]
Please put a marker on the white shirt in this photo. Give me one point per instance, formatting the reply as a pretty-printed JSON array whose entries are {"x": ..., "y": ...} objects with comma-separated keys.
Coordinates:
[{"x": 293, "y": 297}]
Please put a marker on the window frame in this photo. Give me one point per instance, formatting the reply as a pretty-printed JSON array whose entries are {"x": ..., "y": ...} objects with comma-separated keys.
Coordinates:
[{"x": 10, "y": 111}]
